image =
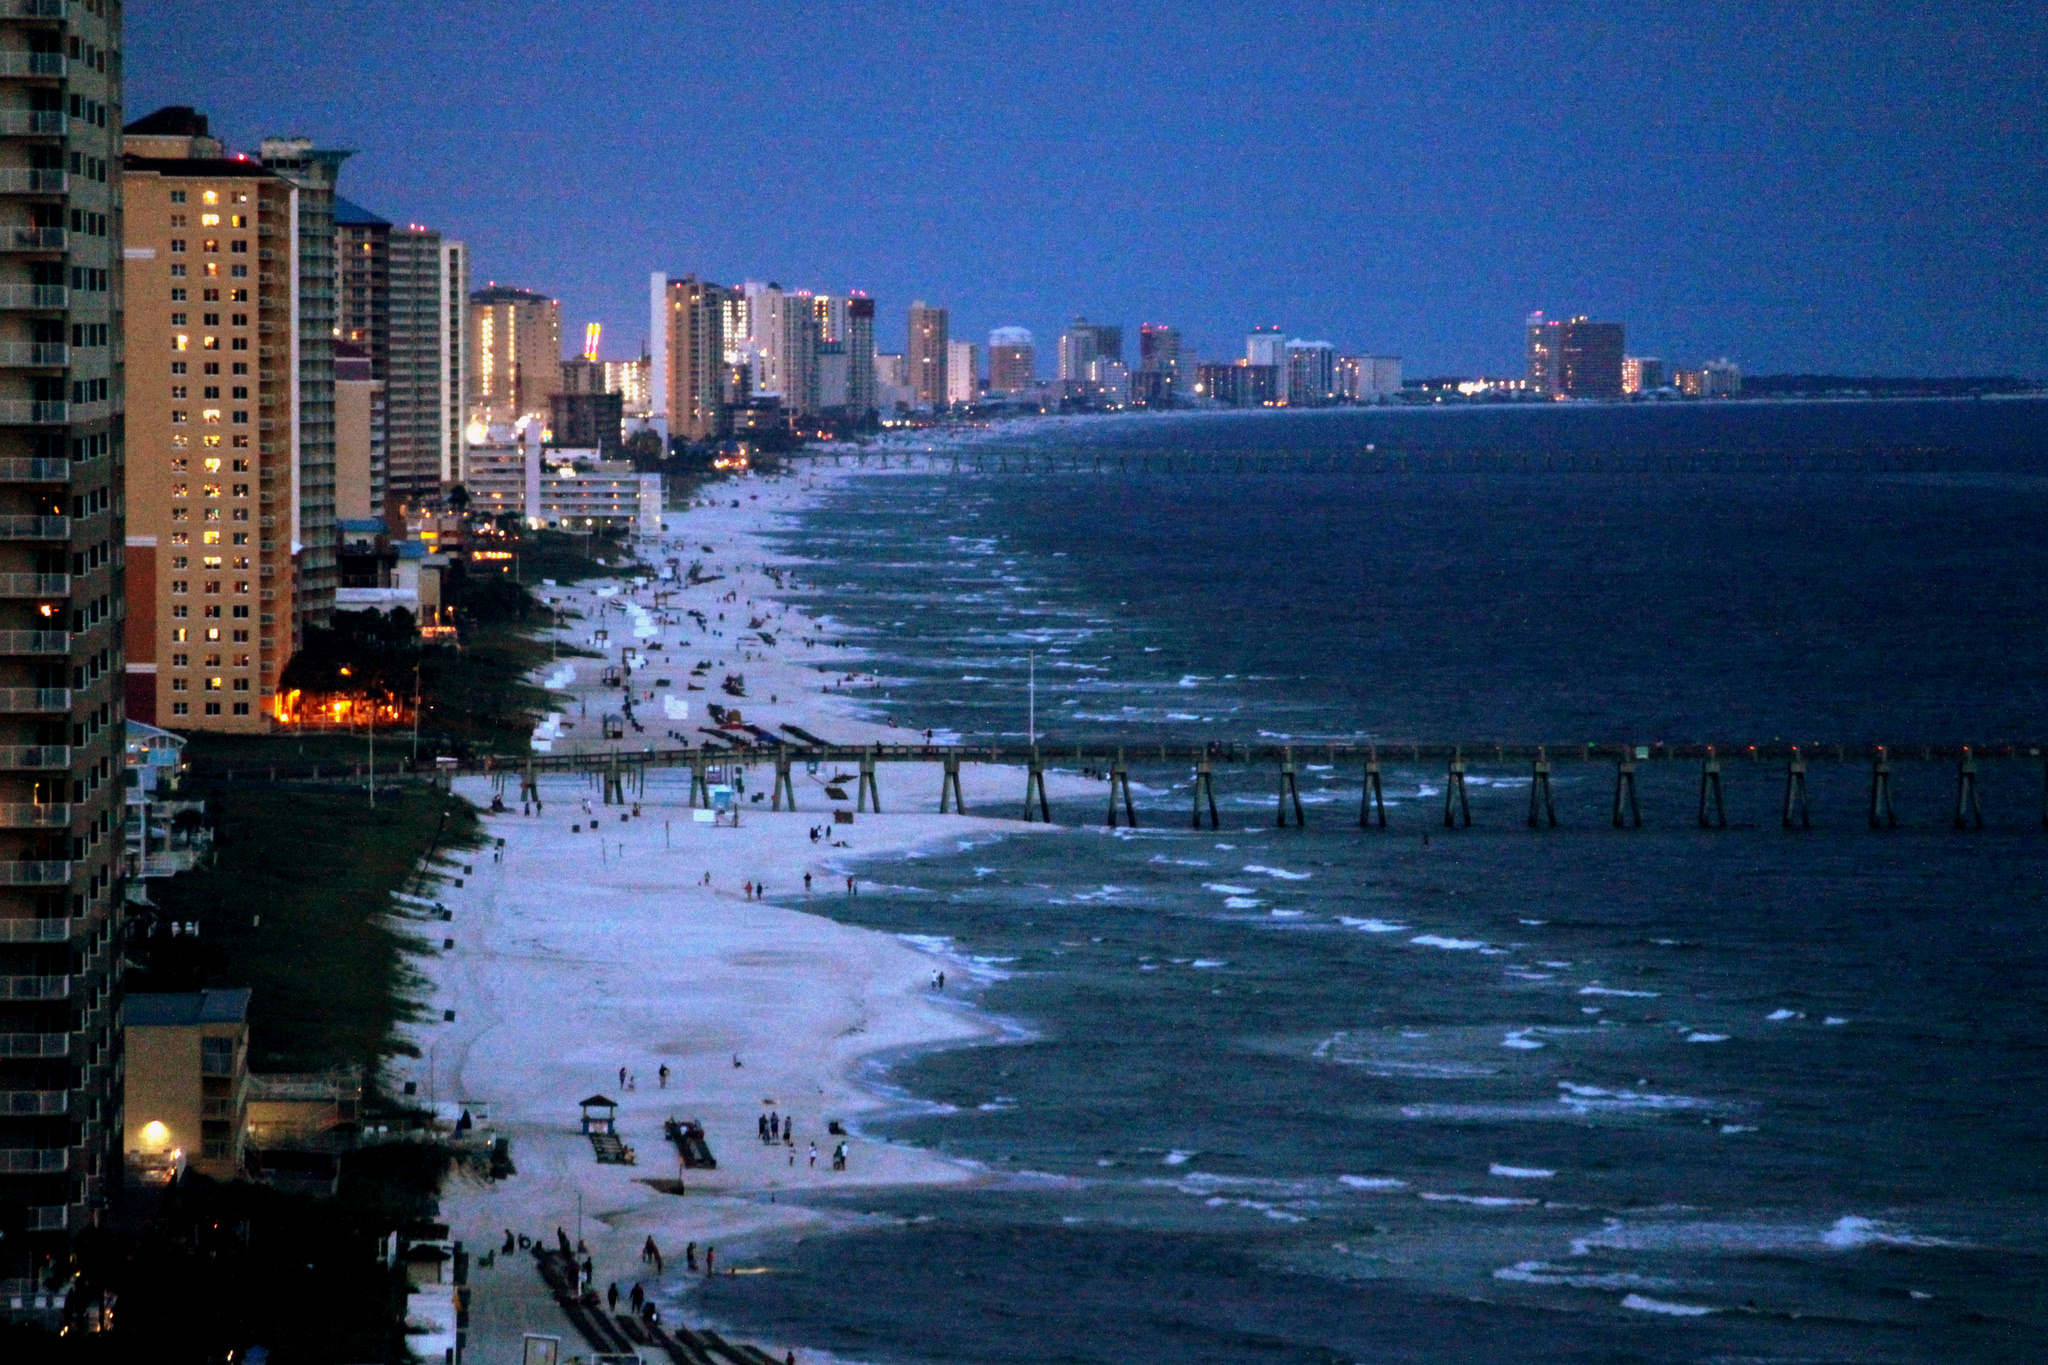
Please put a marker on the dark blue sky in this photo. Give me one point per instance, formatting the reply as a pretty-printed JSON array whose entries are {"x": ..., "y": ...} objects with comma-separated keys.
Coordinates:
[{"x": 1840, "y": 187}]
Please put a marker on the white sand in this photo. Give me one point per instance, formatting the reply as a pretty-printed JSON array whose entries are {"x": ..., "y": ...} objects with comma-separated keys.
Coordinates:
[{"x": 585, "y": 951}]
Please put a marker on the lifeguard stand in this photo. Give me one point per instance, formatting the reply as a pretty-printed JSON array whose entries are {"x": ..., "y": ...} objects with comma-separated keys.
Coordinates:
[{"x": 600, "y": 1115}]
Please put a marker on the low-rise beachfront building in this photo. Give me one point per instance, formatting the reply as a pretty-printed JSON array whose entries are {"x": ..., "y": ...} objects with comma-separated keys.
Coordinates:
[
  {"x": 186, "y": 1089},
  {"x": 564, "y": 489}
]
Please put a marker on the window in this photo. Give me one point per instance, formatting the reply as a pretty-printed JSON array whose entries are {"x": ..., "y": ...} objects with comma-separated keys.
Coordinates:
[
  {"x": 211, "y": 319},
  {"x": 242, "y": 684},
  {"x": 240, "y": 220},
  {"x": 180, "y": 685},
  {"x": 209, "y": 220},
  {"x": 177, "y": 296},
  {"x": 179, "y": 416},
  {"x": 241, "y": 709},
  {"x": 214, "y": 684},
  {"x": 180, "y": 708},
  {"x": 180, "y": 586},
  {"x": 180, "y": 661},
  {"x": 177, "y": 367},
  {"x": 180, "y": 613},
  {"x": 177, "y": 390},
  {"x": 241, "y": 537},
  {"x": 213, "y": 632},
  {"x": 181, "y": 342},
  {"x": 240, "y": 272},
  {"x": 213, "y": 708},
  {"x": 177, "y": 247},
  {"x": 210, "y": 245},
  {"x": 241, "y": 367},
  {"x": 181, "y": 634},
  {"x": 181, "y": 562},
  {"x": 242, "y": 636},
  {"x": 177, "y": 196},
  {"x": 212, "y": 391},
  {"x": 210, "y": 197},
  {"x": 177, "y": 270},
  {"x": 238, "y": 296},
  {"x": 179, "y": 319},
  {"x": 180, "y": 442}
]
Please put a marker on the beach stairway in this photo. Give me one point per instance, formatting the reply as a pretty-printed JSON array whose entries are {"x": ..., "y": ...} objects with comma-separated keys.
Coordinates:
[
  {"x": 611, "y": 1150},
  {"x": 688, "y": 1138},
  {"x": 624, "y": 1334}
]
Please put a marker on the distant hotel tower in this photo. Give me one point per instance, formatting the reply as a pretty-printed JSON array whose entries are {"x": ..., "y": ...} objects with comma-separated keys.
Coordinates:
[
  {"x": 928, "y": 337},
  {"x": 1012, "y": 360},
  {"x": 214, "y": 499},
  {"x": 687, "y": 364},
  {"x": 1576, "y": 358},
  {"x": 515, "y": 354},
  {"x": 61, "y": 755}
]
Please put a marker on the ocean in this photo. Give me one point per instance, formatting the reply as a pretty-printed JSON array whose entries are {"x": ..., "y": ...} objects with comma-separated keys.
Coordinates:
[{"x": 1573, "y": 1095}]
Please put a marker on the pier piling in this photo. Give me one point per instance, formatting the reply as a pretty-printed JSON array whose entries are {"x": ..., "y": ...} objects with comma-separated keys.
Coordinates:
[
  {"x": 949, "y": 785},
  {"x": 783, "y": 784},
  {"x": 1120, "y": 781},
  {"x": 868, "y": 790},
  {"x": 1969, "y": 812},
  {"x": 1796, "y": 809},
  {"x": 1716, "y": 815},
  {"x": 1205, "y": 789},
  {"x": 1290, "y": 791},
  {"x": 1541, "y": 804},
  {"x": 1034, "y": 784},
  {"x": 700, "y": 781},
  {"x": 1457, "y": 806},
  {"x": 1882, "y": 813},
  {"x": 1627, "y": 814},
  {"x": 1373, "y": 801}
]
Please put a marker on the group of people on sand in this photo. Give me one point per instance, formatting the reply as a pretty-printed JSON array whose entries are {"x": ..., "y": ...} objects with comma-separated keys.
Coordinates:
[{"x": 629, "y": 1080}]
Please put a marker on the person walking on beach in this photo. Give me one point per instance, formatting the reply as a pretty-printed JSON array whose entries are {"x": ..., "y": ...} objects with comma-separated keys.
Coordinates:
[
  {"x": 649, "y": 1252},
  {"x": 690, "y": 1255},
  {"x": 611, "y": 1297},
  {"x": 663, "y": 1073},
  {"x": 622, "y": 1078},
  {"x": 849, "y": 887},
  {"x": 814, "y": 1156},
  {"x": 710, "y": 1254},
  {"x": 639, "y": 1297},
  {"x": 807, "y": 879}
]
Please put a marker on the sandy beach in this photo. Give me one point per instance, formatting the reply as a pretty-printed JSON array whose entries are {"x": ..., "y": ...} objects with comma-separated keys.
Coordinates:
[{"x": 596, "y": 940}]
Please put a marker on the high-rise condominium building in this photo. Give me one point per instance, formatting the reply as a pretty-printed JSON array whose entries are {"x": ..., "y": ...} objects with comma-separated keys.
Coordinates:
[
  {"x": 963, "y": 372},
  {"x": 927, "y": 354},
  {"x": 1311, "y": 373},
  {"x": 362, "y": 290},
  {"x": 1640, "y": 373},
  {"x": 689, "y": 367},
  {"x": 862, "y": 394},
  {"x": 1574, "y": 358},
  {"x": 1085, "y": 342},
  {"x": 781, "y": 344},
  {"x": 313, "y": 171},
  {"x": 1159, "y": 379},
  {"x": 61, "y": 750},
  {"x": 1012, "y": 360},
  {"x": 426, "y": 378},
  {"x": 212, "y": 487},
  {"x": 515, "y": 354}
]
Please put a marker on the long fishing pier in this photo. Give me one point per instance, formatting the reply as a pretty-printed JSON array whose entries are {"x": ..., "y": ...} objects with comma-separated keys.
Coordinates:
[{"x": 1782, "y": 768}]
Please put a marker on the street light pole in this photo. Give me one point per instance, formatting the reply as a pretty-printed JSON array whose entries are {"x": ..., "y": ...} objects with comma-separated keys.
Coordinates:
[{"x": 415, "y": 715}]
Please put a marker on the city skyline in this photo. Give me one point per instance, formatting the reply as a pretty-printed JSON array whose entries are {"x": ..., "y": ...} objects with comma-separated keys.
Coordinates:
[{"x": 1740, "y": 187}]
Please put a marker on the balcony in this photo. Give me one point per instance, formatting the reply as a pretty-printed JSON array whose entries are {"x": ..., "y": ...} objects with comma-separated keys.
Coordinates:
[
  {"x": 35, "y": 642},
  {"x": 33, "y": 412},
  {"x": 37, "y": 930},
  {"x": 35, "y": 988},
  {"x": 35, "y": 297},
  {"x": 34, "y": 180},
  {"x": 34, "y": 757},
  {"x": 18, "y": 238},
  {"x": 34, "y": 1103},
  {"x": 16, "y": 526},
  {"x": 35, "y": 874},
  {"x": 35, "y": 585},
  {"x": 34, "y": 1160},
  {"x": 18, "y": 64},
  {"x": 34, "y": 701},
  {"x": 28, "y": 469},
  {"x": 33, "y": 123},
  {"x": 37, "y": 9},
  {"x": 35, "y": 355},
  {"x": 35, "y": 1045}
]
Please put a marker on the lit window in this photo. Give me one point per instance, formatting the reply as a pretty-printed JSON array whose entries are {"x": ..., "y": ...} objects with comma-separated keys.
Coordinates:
[
  {"x": 213, "y": 684},
  {"x": 209, "y": 220},
  {"x": 210, "y": 197}
]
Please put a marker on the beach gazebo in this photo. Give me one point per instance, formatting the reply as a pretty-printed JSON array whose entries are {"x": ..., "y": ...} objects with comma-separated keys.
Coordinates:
[{"x": 600, "y": 1115}]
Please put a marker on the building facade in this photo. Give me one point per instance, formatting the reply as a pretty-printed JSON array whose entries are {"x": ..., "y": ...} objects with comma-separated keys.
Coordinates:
[
  {"x": 61, "y": 599},
  {"x": 362, "y": 290},
  {"x": 963, "y": 372},
  {"x": 927, "y": 355},
  {"x": 863, "y": 396},
  {"x": 1012, "y": 360},
  {"x": 1311, "y": 373},
  {"x": 690, "y": 367},
  {"x": 515, "y": 354},
  {"x": 211, "y": 483},
  {"x": 1085, "y": 342},
  {"x": 187, "y": 1083},
  {"x": 314, "y": 172},
  {"x": 1575, "y": 357},
  {"x": 424, "y": 378}
]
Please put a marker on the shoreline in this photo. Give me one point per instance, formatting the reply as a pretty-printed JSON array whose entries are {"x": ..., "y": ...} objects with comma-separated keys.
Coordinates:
[{"x": 592, "y": 941}]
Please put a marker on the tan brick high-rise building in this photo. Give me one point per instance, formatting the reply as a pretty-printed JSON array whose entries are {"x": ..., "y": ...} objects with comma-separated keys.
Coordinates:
[
  {"x": 213, "y": 505},
  {"x": 928, "y": 360}
]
